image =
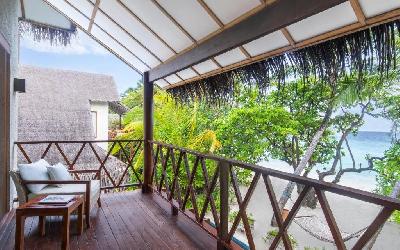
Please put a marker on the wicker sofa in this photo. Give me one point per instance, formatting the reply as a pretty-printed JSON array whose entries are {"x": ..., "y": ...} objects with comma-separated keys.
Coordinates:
[{"x": 89, "y": 188}]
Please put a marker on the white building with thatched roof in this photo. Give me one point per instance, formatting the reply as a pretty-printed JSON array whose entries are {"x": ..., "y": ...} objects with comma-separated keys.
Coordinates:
[{"x": 64, "y": 105}]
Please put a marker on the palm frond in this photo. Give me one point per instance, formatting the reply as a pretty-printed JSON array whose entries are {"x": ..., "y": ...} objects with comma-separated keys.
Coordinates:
[{"x": 372, "y": 49}]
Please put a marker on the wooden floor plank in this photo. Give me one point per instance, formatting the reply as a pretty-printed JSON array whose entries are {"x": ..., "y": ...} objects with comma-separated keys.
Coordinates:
[{"x": 126, "y": 220}]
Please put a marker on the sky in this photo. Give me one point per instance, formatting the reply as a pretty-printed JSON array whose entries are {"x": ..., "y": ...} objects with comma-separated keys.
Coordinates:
[{"x": 83, "y": 54}]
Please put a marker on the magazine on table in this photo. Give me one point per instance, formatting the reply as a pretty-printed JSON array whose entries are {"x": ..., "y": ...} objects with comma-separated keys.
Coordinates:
[{"x": 57, "y": 199}]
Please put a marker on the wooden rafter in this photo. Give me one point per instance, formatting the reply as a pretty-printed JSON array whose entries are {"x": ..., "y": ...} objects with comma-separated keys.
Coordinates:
[
  {"x": 114, "y": 38},
  {"x": 348, "y": 29},
  {"x": 165, "y": 12},
  {"x": 355, "y": 4},
  {"x": 146, "y": 26},
  {"x": 22, "y": 5},
  {"x": 220, "y": 24},
  {"x": 95, "y": 8},
  {"x": 288, "y": 36},
  {"x": 280, "y": 14},
  {"x": 152, "y": 32},
  {"x": 124, "y": 30},
  {"x": 184, "y": 31}
]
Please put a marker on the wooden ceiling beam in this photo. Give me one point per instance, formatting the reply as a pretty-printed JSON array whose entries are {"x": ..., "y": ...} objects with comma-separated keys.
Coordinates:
[
  {"x": 106, "y": 32},
  {"x": 22, "y": 5},
  {"x": 152, "y": 31},
  {"x": 351, "y": 28},
  {"x": 96, "y": 7},
  {"x": 278, "y": 15},
  {"x": 288, "y": 36},
  {"x": 220, "y": 23},
  {"x": 146, "y": 26},
  {"x": 184, "y": 31},
  {"x": 355, "y": 4},
  {"x": 123, "y": 29},
  {"x": 173, "y": 20}
]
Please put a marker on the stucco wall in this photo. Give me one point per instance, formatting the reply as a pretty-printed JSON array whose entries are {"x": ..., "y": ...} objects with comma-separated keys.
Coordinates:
[
  {"x": 101, "y": 108},
  {"x": 9, "y": 29}
]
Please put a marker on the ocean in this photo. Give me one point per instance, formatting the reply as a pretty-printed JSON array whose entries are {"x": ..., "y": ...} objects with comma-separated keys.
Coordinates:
[{"x": 362, "y": 144}]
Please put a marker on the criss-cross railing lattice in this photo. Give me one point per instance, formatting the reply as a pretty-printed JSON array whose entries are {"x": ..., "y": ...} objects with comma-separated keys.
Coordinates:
[
  {"x": 191, "y": 182},
  {"x": 117, "y": 163}
]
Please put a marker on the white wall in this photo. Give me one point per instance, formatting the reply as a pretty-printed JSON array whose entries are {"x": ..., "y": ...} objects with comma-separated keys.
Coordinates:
[{"x": 101, "y": 109}]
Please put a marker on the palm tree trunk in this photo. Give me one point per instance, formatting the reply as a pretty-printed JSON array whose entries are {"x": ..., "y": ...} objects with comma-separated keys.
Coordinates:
[{"x": 287, "y": 192}]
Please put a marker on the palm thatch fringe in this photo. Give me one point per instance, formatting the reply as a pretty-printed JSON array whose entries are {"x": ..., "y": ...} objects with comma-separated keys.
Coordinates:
[
  {"x": 357, "y": 53},
  {"x": 41, "y": 32}
]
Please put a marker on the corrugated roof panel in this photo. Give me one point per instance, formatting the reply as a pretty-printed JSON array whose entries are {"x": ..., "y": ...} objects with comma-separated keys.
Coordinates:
[
  {"x": 105, "y": 23},
  {"x": 191, "y": 16},
  {"x": 84, "y": 6},
  {"x": 205, "y": 67},
  {"x": 118, "y": 49},
  {"x": 333, "y": 18},
  {"x": 375, "y": 7},
  {"x": 228, "y": 10},
  {"x": 187, "y": 74},
  {"x": 230, "y": 57},
  {"x": 266, "y": 43},
  {"x": 121, "y": 16},
  {"x": 173, "y": 79},
  {"x": 150, "y": 14},
  {"x": 161, "y": 83}
]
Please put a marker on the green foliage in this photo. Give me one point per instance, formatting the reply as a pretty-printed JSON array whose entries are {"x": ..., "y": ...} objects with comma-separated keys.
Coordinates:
[
  {"x": 250, "y": 218},
  {"x": 273, "y": 233},
  {"x": 279, "y": 127},
  {"x": 389, "y": 173}
]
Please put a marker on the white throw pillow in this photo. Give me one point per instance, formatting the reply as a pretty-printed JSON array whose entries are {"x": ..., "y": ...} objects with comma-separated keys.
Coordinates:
[
  {"x": 36, "y": 171},
  {"x": 59, "y": 172}
]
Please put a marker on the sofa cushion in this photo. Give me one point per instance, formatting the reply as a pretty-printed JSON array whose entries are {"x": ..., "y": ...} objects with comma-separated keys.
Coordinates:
[
  {"x": 59, "y": 172},
  {"x": 36, "y": 171},
  {"x": 71, "y": 189}
]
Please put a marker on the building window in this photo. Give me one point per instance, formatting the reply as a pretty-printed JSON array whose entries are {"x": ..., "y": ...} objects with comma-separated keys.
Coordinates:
[{"x": 94, "y": 123}]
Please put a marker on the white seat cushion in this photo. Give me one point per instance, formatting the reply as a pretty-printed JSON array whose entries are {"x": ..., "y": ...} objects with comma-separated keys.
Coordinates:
[
  {"x": 71, "y": 189},
  {"x": 36, "y": 171}
]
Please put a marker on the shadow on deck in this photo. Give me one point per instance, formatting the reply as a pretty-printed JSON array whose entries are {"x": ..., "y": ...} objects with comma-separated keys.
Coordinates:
[{"x": 126, "y": 220}]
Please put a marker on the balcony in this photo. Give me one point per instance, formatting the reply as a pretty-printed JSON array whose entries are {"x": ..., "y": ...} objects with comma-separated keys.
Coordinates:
[
  {"x": 126, "y": 220},
  {"x": 189, "y": 203}
]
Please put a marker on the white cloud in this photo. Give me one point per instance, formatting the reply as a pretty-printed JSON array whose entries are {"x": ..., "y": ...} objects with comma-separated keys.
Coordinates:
[{"x": 81, "y": 44}]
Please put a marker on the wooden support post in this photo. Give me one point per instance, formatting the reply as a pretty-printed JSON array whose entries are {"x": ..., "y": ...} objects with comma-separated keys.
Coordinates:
[
  {"x": 148, "y": 132},
  {"x": 224, "y": 204}
]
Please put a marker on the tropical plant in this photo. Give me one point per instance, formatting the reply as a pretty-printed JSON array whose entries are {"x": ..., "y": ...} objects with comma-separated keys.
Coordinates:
[
  {"x": 269, "y": 237},
  {"x": 388, "y": 169}
]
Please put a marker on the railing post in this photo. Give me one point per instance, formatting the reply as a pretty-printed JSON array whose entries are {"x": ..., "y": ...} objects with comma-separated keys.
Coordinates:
[
  {"x": 224, "y": 204},
  {"x": 148, "y": 132}
]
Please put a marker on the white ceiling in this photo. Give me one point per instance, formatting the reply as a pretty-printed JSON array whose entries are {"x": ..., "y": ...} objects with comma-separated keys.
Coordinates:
[{"x": 146, "y": 33}]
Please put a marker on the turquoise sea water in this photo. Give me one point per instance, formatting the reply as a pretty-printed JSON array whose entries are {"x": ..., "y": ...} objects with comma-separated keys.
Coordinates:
[{"x": 364, "y": 143}]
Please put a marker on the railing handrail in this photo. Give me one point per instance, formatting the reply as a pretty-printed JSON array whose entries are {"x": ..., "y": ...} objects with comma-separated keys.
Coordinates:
[
  {"x": 73, "y": 141},
  {"x": 326, "y": 186}
]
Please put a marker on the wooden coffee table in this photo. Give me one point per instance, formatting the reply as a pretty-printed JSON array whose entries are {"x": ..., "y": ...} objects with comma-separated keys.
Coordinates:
[{"x": 33, "y": 208}]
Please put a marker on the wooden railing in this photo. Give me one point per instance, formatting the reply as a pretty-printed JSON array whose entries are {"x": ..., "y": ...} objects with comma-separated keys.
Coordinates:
[
  {"x": 198, "y": 185},
  {"x": 180, "y": 175},
  {"x": 118, "y": 166}
]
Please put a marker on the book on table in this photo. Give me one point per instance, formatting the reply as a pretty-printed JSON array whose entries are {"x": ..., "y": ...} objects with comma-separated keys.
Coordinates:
[{"x": 59, "y": 199}]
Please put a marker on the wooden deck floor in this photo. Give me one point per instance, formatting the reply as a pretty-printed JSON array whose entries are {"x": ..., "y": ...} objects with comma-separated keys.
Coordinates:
[{"x": 128, "y": 220}]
